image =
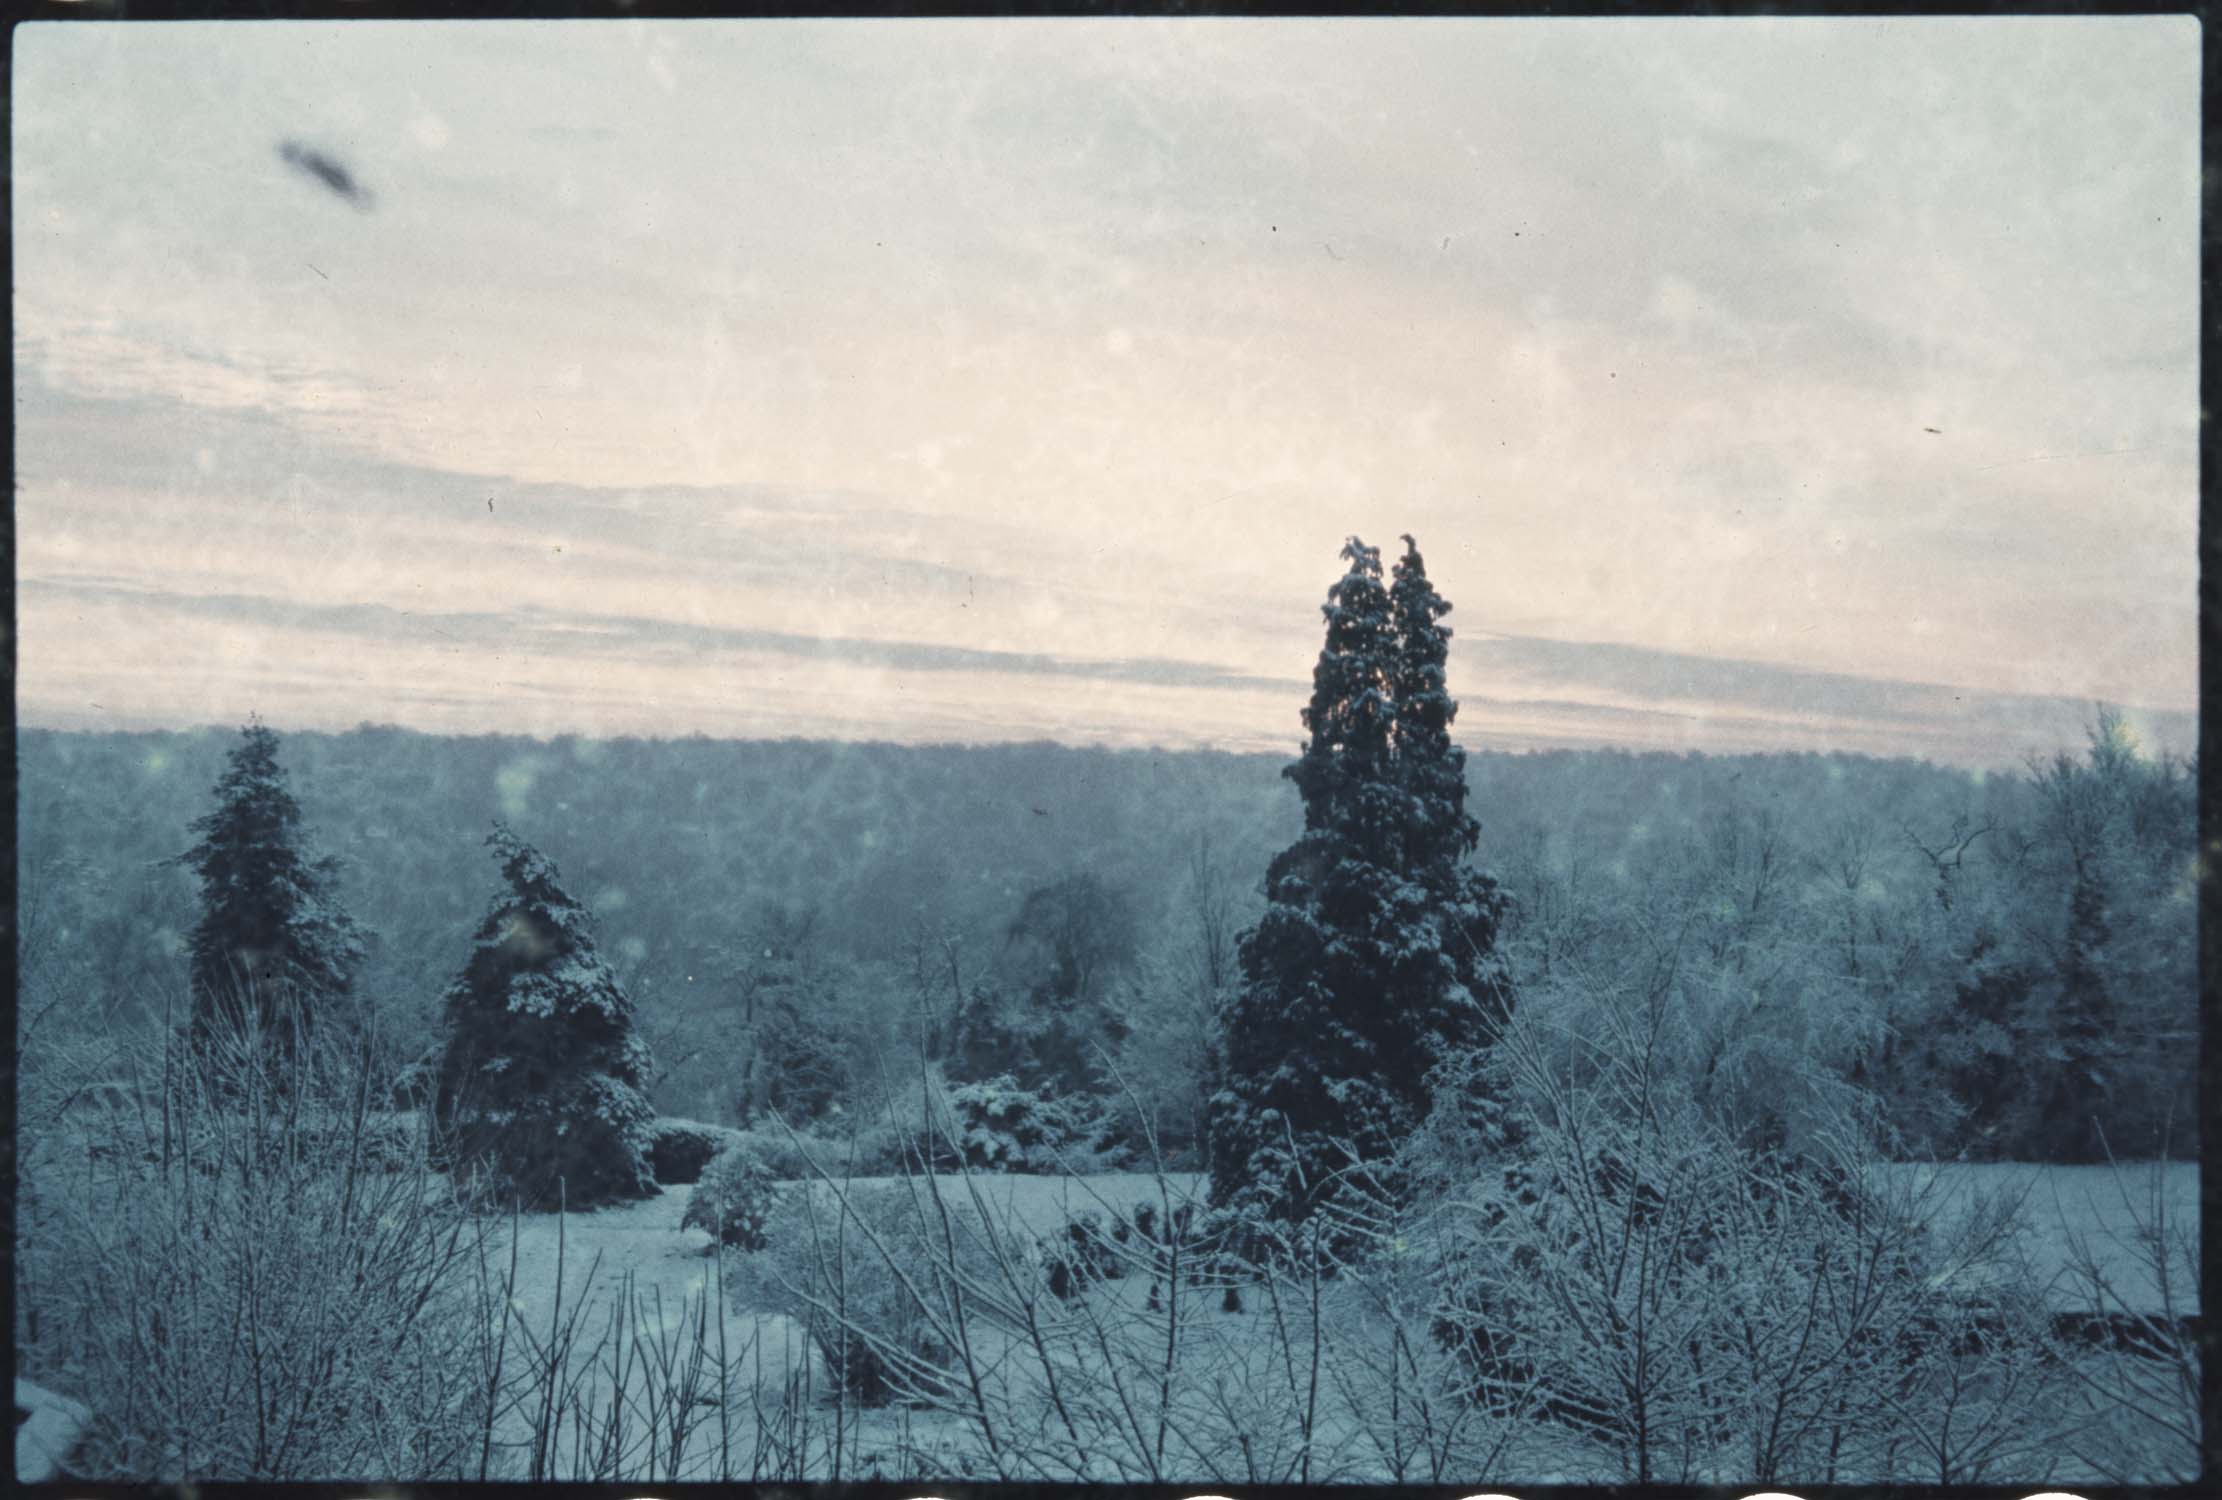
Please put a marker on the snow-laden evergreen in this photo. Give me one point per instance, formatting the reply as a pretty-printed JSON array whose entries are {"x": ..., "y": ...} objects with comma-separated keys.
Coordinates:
[
  {"x": 1375, "y": 957},
  {"x": 541, "y": 1082},
  {"x": 273, "y": 945}
]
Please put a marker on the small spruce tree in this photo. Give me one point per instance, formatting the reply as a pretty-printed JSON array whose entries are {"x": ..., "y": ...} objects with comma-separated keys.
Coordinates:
[
  {"x": 273, "y": 946},
  {"x": 541, "y": 1082},
  {"x": 1374, "y": 959}
]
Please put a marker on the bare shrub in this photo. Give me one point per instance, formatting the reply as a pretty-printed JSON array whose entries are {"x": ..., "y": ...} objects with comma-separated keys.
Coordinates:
[
  {"x": 622, "y": 1387},
  {"x": 870, "y": 1271},
  {"x": 2136, "y": 1359},
  {"x": 1706, "y": 1310},
  {"x": 1133, "y": 1370},
  {"x": 223, "y": 1262}
]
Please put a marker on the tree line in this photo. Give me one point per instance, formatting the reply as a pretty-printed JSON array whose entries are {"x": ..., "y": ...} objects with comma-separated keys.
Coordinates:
[{"x": 2005, "y": 962}]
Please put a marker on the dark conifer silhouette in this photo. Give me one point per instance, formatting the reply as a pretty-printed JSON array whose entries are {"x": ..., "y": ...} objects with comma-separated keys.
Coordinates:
[
  {"x": 1375, "y": 954},
  {"x": 1440, "y": 833},
  {"x": 541, "y": 1082},
  {"x": 273, "y": 946}
]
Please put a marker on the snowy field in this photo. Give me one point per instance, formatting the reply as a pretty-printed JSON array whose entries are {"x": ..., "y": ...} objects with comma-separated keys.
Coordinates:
[
  {"x": 2063, "y": 1208},
  {"x": 644, "y": 1241},
  {"x": 641, "y": 1246},
  {"x": 638, "y": 1256},
  {"x": 633, "y": 1270},
  {"x": 2068, "y": 1212}
]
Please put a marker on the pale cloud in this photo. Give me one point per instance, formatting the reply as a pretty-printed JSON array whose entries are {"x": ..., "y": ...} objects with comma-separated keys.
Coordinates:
[{"x": 1862, "y": 348}]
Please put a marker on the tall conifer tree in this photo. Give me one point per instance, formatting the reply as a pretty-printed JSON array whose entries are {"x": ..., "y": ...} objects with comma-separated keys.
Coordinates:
[
  {"x": 1431, "y": 768},
  {"x": 542, "y": 1078},
  {"x": 1374, "y": 956},
  {"x": 273, "y": 946}
]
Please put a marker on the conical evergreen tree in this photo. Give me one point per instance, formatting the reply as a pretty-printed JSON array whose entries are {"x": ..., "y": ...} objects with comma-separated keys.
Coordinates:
[
  {"x": 1343, "y": 771},
  {"x": 1429, "y": 766},
  {"x": 1439, "y": 833},
  {"x": 273, "y": 946},
  {"x": 541, "y": 1079},
  {"x": 1374, "y": 957}
]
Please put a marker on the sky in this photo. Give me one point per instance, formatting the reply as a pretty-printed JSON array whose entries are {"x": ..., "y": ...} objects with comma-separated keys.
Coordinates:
[{"x": 1748, "y": 384}]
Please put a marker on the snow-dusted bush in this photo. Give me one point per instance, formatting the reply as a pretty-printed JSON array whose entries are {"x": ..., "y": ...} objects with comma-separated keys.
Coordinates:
[
  {"x": 874, "y": 1272},
  {"x": 859, "y": 1147},
  {"x": 855, "y": 1146},
  {"x": 237, "y": 1294},
  {"x": 1084, "y": 1252},
  {"x": 1001, "y": 1127},
  {"x": 541, "y": 1081},
  {"x": 1705, "y": 1309},
  {"x": 734, "y": 1199},
  {"x": 869, "y": 1147},
  {"x": 679, "y": 1150}
]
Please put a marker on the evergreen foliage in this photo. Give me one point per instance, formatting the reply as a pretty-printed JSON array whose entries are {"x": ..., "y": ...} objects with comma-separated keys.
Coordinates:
[
  {"x": 1004, "y": 1127},
  {"x": 2070, "y": 958},
  {"x": 1431, "y": 769},
  {"x": 733, "y": 1200},
  {"x": 541, "y": 1080},
  {"x": 273, "y": 946},
  {"x": 679, "y": 1150},
  {"x": 1374, "y": 959}
]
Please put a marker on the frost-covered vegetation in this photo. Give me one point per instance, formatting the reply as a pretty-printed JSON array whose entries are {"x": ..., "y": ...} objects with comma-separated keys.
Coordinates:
[
  {"x": 734, "y": 1200},
  {"x": 1053, "y": 1115},
  {"x": 539, "y": 1082},
  {"x": 679, "y": 1150},
  {"x": 1906, "y": 923}
]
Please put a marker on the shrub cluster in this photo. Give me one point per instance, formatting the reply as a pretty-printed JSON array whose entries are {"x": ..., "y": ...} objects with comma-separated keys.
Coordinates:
[
  {"x": 868, "y": 1271},
  {"x": 678, "y": 1150},
  {"x": 864, "y": 1148},
  {"x": 734, "y": 1199},
  {"x": 240, "y": 1286},
  {"x": 1198, "y": 1248},
  {"x": 1002, "y": 1127},
  {"x": 381, "y": 1142},
  {"x": 1085, "y": 1251}
]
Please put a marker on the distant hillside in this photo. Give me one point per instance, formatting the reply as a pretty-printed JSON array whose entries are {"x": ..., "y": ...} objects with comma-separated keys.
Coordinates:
[
  {"x": 1796, "y": 901},
  {"x": 678, "y": 843}
]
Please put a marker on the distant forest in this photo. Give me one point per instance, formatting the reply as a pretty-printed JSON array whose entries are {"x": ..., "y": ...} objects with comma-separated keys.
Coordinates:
[{"x": 2006, "y": 960}]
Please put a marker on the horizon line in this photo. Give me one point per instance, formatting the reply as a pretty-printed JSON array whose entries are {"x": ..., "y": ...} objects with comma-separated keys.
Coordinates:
[{"x": 1143, "y": 748}]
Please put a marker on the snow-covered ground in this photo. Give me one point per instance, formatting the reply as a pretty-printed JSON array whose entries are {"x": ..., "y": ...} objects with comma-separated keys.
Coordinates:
[
  {"x": 2063, "y": 1208},
  {"x": 1044, "y": 1205},
  {"x": 597, "y": 1250},
  {"x": 641, "y": 1290},
  {"x": 2070, "y": 1211},
  {"x": 670, "y": 1271},
  {"x": 644, "y": 1241}
]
